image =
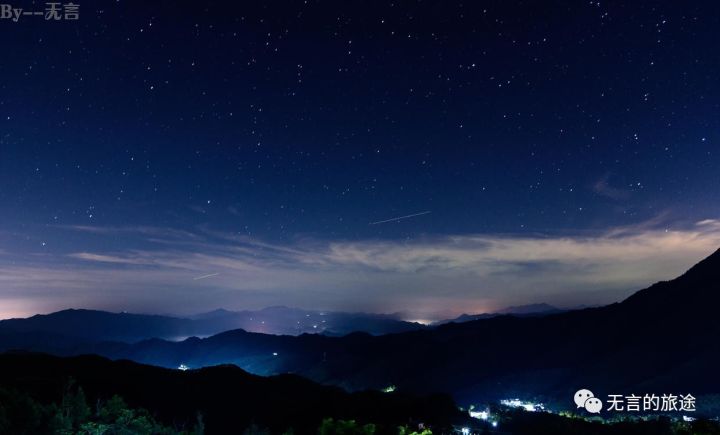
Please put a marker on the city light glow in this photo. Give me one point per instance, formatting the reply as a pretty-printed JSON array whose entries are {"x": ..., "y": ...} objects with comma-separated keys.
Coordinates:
[{"x": 527, "y": 406}]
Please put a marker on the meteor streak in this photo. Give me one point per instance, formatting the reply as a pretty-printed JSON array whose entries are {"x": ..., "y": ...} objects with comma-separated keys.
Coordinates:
[
  {"x": 206, "y": 276},
  {"x": 400, "y": 218}
]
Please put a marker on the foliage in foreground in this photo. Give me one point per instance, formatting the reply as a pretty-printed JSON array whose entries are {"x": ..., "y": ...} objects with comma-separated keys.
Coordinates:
[{"x": 20, "y": 414}]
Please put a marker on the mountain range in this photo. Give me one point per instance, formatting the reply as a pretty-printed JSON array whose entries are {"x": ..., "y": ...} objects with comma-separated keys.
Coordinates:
[
  {"x": 93, "y": 325},
  {"x": 662, "y": 339}
]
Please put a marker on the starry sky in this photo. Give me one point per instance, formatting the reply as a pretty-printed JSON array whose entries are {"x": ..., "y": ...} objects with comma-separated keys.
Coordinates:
[{"x": 429, "y": 157}]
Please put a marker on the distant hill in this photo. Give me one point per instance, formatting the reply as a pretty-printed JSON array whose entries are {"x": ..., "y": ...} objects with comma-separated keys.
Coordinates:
[
  {"x": 280, "y": 320},
  {"x": 92, "y": 325},
  {"x": 541, "y": 308},
  {"x": 100, "y": 325},
  {"x": 227, "y": 397},
  {"x": 519, "y": 310}
]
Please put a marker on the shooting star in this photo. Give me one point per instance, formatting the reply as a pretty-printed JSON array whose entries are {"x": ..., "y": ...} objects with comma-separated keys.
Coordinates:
[
  {"x": 206, "y": 276},
  {"x": 400, "y": 218}
]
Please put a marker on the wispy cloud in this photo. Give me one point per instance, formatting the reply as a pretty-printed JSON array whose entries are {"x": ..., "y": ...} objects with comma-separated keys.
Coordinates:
[
  {"x": 104, "y": 258},
  {"x": 443, "y": 274}
]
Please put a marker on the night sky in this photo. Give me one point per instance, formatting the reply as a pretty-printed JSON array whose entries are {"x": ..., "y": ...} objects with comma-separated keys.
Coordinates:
[{"x": 426, "y": 157}]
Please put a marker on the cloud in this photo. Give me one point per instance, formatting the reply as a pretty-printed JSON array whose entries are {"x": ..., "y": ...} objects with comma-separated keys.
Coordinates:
[
  {"x": 106, "y": 258},
  {"x": 434, "y": 274}
]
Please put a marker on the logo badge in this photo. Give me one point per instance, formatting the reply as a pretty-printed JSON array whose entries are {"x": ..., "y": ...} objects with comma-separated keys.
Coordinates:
[{"x": 584, "y": 398}]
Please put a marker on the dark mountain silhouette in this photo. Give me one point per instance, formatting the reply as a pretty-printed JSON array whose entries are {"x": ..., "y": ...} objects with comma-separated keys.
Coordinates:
[
  {"x": 541, "y": 308},
  {"x": 695, "y": 293},
  {"x": 92, "y": 325},
  {"x": 100, "y": 325},
  {"x": 214, "y": 314},
  {"x": 228, "y": 398},
  {"x": 280, "y": 320},
  {"x": 519, "y": 310},
  {"x": 662, "y": 339}
]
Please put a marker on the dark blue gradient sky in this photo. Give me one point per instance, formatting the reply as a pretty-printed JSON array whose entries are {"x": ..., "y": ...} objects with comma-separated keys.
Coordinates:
[{"x": 565, "y": 151}]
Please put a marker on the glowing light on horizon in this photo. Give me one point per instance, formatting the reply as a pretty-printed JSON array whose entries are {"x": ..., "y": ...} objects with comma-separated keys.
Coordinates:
[{"x": 425, "y": 322}]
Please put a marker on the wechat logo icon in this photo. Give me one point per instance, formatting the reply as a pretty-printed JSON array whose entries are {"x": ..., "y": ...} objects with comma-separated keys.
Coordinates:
[{"x": 586, "y": 399}]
